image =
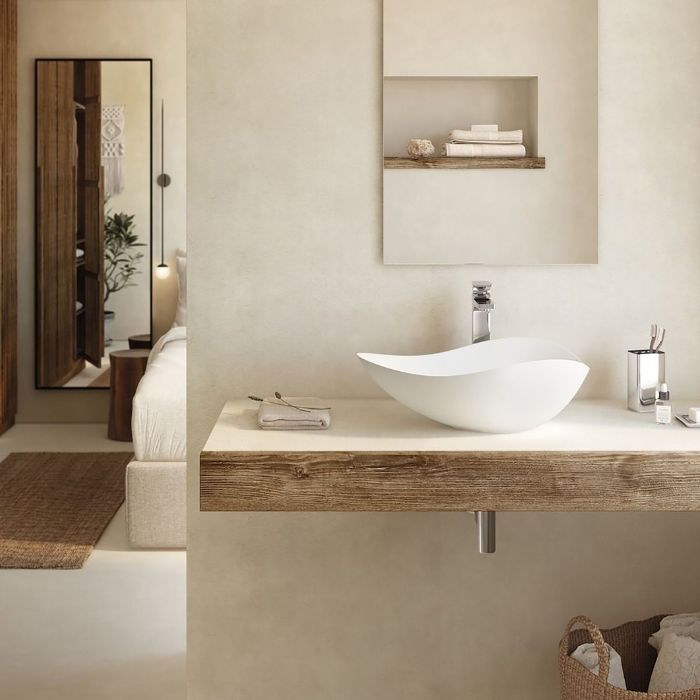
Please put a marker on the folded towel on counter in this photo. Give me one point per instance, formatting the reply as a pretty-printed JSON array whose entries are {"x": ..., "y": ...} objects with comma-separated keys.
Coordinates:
[
  {"x": 587, "y": 655},
  {"x": 274, "y": 415},
  {"x": 677, "y": 666},
  {"x": 484, "y": 127},
  {"x": 483, "y": 150},
  {"x": 685, "y": 625},
  {"x": 462, "y": 136}
]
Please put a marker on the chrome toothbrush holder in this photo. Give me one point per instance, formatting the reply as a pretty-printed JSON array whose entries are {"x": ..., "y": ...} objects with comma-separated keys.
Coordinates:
[{"x": 646, "y": 369}]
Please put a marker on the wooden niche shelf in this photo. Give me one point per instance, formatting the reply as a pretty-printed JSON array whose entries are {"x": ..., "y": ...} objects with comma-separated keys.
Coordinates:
[{"x": 451, "y": 163}]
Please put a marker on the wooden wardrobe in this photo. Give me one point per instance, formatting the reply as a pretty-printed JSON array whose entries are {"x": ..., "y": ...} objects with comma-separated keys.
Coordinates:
[
  {"x": 8, "y": 213},
  {"x": 70, "y": 220}
]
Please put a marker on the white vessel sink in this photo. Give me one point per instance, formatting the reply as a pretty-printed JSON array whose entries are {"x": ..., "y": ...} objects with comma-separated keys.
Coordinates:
[{"x": 498, "y": 386}]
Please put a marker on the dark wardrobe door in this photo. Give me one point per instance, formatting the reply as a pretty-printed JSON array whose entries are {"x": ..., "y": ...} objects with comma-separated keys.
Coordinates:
[
  {"x": 91, "y": 208},
  {"x": 8, "y": 213},
  {"x": 57, "y": 354},
  {"x": 70, "y": 216}
]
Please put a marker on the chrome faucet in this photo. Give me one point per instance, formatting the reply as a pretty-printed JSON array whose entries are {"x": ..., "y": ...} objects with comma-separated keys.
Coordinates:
[{"x": 482, "y": 306}]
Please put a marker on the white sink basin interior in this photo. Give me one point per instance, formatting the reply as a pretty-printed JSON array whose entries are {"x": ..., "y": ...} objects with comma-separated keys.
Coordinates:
[{"x": 498, "y": 386}]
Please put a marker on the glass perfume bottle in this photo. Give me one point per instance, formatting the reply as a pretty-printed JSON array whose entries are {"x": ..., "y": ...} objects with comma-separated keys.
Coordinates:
[{"x": 664, "y": 410}]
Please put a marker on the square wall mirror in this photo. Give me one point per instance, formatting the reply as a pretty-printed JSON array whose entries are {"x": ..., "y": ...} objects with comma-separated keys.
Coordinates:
[{"x": 502, "y": 100}]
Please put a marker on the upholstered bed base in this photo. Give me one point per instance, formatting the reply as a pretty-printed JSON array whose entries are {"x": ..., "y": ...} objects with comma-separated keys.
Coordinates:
[{"x": 156, "y": 510}]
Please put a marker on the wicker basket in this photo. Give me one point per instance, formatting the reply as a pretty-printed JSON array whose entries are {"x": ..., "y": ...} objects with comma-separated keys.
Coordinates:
[{"x": 631, "y": 642}]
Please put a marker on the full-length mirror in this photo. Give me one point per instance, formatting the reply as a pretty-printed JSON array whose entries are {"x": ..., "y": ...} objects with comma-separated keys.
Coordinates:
[{"x": 93, "y": 217}]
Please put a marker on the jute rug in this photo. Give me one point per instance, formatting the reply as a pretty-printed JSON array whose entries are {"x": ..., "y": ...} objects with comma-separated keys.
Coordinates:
[{"x": 55, "y": 505}]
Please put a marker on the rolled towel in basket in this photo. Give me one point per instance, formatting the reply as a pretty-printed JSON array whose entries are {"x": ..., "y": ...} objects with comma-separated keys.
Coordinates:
[
  {"x": 587, "y": 655},
  {"x": 275, "y": 415},
  {"x": 686, "y": 625}
]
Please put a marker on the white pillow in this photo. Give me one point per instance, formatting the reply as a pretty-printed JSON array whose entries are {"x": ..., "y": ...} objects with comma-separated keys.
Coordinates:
[
  {"x": 181, "y": 267},
  {"x": 677, "y": 666}
]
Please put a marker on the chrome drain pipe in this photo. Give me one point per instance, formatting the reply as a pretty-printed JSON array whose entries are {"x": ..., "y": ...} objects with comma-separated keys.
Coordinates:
[{"x": 486, "y": 531}]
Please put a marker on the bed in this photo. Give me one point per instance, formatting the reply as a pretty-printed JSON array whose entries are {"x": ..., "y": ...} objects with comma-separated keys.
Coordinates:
[{"x": 156, "y": 478}]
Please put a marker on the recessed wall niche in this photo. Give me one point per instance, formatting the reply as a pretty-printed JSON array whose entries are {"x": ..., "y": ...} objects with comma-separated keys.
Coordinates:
[
  {"x": 532, "y": 66},
  {"x": 430, "y": 107}
]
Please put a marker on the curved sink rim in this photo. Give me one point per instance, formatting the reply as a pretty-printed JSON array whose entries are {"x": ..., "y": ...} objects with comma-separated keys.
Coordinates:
[{"x": 558, "y": 354}]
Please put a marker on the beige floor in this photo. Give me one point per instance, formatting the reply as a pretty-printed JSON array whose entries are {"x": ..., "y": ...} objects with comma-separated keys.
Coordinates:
[{"x": 114, "y": 629}]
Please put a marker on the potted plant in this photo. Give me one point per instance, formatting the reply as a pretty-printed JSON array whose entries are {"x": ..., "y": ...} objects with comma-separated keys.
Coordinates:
[{"x": 121, "y": 260}]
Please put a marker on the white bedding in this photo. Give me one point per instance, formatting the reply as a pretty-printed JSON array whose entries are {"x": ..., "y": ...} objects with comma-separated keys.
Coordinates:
[{"x": 159, "y": 414}]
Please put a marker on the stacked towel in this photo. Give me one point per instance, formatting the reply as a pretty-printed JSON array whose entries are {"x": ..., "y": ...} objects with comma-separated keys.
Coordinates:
[
  {"x": 483, "y": 150},
  {"x": 484, "y": 141},
  {"x": 274, "y": 415},
  {"x": 472, "y": 136}
]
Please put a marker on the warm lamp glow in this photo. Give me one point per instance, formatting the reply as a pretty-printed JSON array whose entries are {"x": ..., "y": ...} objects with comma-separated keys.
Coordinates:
[{"x": 162, "y": 271}]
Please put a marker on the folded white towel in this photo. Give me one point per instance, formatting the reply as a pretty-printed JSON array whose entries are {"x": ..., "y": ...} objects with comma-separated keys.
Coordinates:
[
  {"x": 677, "y": 667},
  {"x": 685, "y": 625},
  {"x": 273, "y": 415},
  {"x": 462, "y": 136},
  {"x": 483, "y": 150},
  {"x": 484, "y": 127},
  {"x": 587, "y": 655}
]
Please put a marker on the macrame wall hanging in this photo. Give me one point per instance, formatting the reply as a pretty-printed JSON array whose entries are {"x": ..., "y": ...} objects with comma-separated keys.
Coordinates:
[{"x": 113, "y": 148}]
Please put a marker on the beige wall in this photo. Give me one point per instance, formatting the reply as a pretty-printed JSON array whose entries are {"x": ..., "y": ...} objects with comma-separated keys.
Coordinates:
[
  {"x": 287, "y": 283},
  {"x": 499, "y": 217},
  {"x": 128, "y": 83},
  {"x": 96, "y": 29}
]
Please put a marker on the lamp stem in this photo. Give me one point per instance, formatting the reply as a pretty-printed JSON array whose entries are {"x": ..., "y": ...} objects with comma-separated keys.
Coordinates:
[{"x": 162, "y": 188}]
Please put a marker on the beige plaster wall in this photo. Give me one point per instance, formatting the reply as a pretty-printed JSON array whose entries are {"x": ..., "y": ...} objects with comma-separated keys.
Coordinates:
[
  {"x": 287, "y": 283},
  {"x": 499, "y": 217},
  {"x": 128, "y": 83},
  {"x": 96, "y": 29}
]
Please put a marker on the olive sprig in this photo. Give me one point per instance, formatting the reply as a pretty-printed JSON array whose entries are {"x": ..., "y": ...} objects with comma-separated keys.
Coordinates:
[{"x": 281, "y": 401}]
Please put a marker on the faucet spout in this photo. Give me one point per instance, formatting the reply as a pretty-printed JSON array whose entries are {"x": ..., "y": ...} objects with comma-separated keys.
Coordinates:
[{"x": 482, "y": 306}]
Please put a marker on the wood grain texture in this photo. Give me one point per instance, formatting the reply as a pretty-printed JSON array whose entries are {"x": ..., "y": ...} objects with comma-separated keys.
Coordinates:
[
  {"x": 70, "y": 209},
  {"x": 8, "y": 213},
  {"x": 140, "y": 342},
  {"x": 445, "y": 163},
  {"x": 127, "y": 367},
  {"x": 91, "y": 217},
  {"x": 57, "y": 357},
  {"x": 450, "y": 481}
]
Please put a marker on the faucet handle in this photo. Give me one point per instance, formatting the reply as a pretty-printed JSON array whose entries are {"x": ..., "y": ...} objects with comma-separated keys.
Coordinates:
[{"x": 481, "y": 291}]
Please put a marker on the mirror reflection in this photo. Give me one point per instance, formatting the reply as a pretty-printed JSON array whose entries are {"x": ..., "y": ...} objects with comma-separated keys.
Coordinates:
[{"x": 93, "y": 193}]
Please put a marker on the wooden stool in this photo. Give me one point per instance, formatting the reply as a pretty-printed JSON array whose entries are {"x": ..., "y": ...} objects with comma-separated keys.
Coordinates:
[
  {"x": 140, "y": 342},
  {"x": 126, "y": 369}
]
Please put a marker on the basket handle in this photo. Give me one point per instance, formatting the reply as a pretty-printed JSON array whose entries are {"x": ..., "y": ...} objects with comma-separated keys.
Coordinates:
[{"x": 598, "y": 641}]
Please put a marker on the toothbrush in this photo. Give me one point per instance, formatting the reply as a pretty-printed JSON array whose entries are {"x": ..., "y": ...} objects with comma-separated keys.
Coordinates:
[
  {"x": 661, "y": 341},
  {"x": 654, "y": 331}
]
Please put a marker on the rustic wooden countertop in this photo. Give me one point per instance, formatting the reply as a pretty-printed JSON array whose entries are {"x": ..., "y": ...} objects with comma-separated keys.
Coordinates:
[{"x": 381, "y": 456}]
